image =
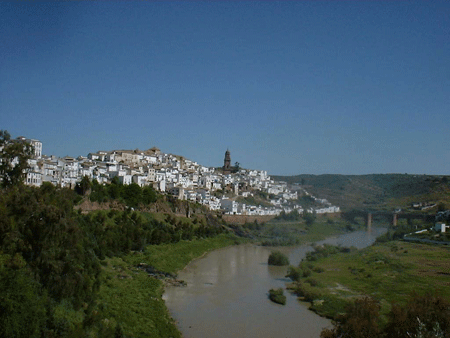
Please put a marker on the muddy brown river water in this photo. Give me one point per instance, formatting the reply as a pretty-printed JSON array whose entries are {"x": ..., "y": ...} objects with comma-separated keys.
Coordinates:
[{"x": 227, "y": 293}]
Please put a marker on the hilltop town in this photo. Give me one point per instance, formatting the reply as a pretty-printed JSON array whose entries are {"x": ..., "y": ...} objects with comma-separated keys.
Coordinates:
[{"x": 218, "y": 188}]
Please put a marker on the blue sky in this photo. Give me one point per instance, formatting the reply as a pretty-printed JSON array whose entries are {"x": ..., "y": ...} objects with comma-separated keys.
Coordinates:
[{"x": 290, "y": 87}]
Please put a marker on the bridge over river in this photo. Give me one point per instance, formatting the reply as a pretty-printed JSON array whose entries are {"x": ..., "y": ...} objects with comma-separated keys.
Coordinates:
[{"x": 392, "y": 217}]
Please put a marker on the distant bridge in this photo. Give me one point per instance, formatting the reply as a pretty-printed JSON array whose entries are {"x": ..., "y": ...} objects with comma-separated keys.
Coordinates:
[{"x": 393, "y": 217}]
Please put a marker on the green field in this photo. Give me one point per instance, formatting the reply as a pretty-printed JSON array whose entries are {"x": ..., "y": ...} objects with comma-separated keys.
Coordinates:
[{"x": 388, "y": 272}]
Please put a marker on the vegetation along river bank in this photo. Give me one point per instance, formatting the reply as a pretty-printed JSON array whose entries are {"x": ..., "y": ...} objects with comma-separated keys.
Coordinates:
[
  {"x": 66, "y": 271},
  {"x": 227, "y": 293},
  {"x": 130, "y": 287},
  {"x": 389, "y": 282}
]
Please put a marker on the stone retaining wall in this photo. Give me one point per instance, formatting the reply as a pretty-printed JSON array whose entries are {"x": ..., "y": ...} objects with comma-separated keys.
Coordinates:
[{"x": 241, "y": 219}]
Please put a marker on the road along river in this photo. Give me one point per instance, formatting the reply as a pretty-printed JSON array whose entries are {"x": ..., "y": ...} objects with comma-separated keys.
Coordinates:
[{"x": 227, "y": 293}]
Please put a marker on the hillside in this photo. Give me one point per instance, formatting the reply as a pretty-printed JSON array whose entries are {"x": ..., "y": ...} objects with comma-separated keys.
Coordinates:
[{"x": 375, "y": 191}]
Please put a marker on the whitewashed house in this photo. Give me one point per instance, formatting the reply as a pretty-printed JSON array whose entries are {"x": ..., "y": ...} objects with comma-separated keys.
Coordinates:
[
  {"x": 229, "y": 206},
  {"x": 151, "y": 174},
  {"x": 140, "y": 180},
  {"x": 126, "y": 179}
]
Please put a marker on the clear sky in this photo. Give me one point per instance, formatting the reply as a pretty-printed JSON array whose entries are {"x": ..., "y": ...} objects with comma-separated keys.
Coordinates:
[{"x": 291, "y": 87}]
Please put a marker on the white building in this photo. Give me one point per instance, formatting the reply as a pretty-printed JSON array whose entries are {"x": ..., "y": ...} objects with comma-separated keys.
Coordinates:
[
  {"x": 33, "y": 178},
  {"x": 126, "y": 179},
  {"x": 229, "y": 206},
  {"x": 140, "y": 180},
  {"x": 441, "y": 227},
  {"x": 37, "y": 145}
]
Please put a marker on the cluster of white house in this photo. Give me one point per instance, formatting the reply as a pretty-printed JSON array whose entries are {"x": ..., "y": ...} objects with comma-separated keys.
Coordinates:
[{"x": 172, "y": 174}]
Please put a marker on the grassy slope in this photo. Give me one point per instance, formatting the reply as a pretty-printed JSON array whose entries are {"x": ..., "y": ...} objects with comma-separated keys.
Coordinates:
[
  {"x": 378, "y": 191},
  {"x": 174, "y": 257},
  {"x": 132, "y": 299},
  {"x": 389, "y": 272}
]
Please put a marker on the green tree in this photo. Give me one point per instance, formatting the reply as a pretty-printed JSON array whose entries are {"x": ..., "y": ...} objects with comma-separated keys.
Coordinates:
[
  {"x": 278, "y": 258},
  {"x": 14, "y": 156},
  {"x": 149, "y": 195},
  {"x": 85, "y": 185},
  {"x": 309, "y": 217},
  {"x": 115, "y": 188},
  {"x": 42, "y": 226},
  {"x": 98, "y": 192},
  {"x": 132, "y": 194},
  {"x": 22, "y": 306},
  {"x": 306, "y": 201}
]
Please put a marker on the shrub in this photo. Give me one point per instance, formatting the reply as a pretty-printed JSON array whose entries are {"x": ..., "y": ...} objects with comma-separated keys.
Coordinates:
[
  {"x": 277, "y": 296},
  {"x": 360, "y": 321},
  {"x": 306, "y": 268},
  {"x": 313, "y": 282},
  {"x": 326, "y": 250},
  {"x": 318, "y": 269},
  {"x": 291, "y": 216},
  {"x": 278, "y": 258},
  {"x": 421, "y": 314},
  {"x": 294, "y": 273},
  {"x": 308, "y": 294}
]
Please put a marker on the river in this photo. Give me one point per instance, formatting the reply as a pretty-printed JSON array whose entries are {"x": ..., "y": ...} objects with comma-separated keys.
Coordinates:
[{"x": 227, "y": 293}]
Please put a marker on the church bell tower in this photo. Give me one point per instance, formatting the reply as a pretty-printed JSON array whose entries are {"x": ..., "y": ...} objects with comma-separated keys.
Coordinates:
[{"x": 227, "y": 163}]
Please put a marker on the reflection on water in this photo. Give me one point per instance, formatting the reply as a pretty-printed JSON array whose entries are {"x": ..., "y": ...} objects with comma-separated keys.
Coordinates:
[{"x": 227, "y": 293}]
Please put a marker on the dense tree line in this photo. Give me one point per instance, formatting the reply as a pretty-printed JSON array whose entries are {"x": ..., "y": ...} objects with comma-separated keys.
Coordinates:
[
  {"x": 294, "y": 216},
  {"x": 46, "y": 258},
  {"x": 117, "y": 232},
  {"x": 132, "y": 195},
  {"x": 50, "y": 256}
]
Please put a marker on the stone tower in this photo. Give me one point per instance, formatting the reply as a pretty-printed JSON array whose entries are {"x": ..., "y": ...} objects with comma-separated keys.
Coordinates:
[{"x": 227, "y": 163}]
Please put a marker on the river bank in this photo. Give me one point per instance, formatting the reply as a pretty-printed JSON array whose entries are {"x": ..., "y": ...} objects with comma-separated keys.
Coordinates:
[
  {"x": 227, "y": 293},
  {"x": 389, "y": 272},
  {"x": 132, "y": 298}
]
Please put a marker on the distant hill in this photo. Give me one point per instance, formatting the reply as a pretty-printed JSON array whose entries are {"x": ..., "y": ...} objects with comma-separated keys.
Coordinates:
[{"x": 375, "y": 191}]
